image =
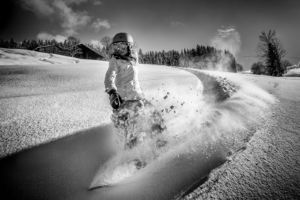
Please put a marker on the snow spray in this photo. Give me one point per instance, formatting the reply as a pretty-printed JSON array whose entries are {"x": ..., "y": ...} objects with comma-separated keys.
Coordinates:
[
  {"x": 226, "y": 39},
  {"x": 221, "y": 109}
]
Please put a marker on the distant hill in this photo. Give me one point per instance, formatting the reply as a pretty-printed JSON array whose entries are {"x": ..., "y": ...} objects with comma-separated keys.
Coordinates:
[{"x": 27, "y": 57}]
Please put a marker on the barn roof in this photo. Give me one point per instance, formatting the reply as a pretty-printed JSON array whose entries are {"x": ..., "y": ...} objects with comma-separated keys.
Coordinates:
[{"x": 81, "y": 45}]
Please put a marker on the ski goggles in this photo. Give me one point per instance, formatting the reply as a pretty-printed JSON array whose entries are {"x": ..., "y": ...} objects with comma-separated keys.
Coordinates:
[{"x": 120, "y": 48}]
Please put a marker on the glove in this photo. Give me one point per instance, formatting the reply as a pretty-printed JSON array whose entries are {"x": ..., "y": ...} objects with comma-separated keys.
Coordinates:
[{"x": 115, "y": 99}]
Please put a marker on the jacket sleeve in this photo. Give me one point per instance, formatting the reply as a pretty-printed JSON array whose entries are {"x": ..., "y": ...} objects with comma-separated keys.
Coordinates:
[{"x": 110, "y": 76}]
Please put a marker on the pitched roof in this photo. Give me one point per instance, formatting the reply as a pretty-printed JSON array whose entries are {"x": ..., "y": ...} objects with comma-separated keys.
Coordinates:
[{"x": 91, "y": 49}]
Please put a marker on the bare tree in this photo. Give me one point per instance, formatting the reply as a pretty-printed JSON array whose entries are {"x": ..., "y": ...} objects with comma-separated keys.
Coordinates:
[
  {"x": 72, "y": 46},
  {"x": 271, "y": 51},
  {"x": 73, "y": 40},
  {"x": 106, "y": 41}
]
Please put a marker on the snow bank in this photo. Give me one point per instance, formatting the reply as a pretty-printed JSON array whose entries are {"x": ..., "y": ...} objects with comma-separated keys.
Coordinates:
[{"x": 293, "y": 72}]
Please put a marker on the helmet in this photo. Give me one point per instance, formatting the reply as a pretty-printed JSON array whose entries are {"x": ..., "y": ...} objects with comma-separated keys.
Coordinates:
[{"x": 123, "y": 37}]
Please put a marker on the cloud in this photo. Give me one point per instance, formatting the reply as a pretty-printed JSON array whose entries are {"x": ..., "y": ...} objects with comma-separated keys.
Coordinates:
[
  {"x": 99, "y": 24},
  {"x": 227, "y": 39},
  {"x": 69, "y": 2},
  {"x": 69, "y": 19},
  {"x": 176, "y": 24},
  {"x": 40, "y": 7},
  {"x": 47, "y": 36},
  {"x": 97, "y": 3}
]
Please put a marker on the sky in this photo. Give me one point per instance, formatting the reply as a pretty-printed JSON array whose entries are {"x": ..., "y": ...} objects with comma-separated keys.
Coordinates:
[{"x": 158, "y": 24}]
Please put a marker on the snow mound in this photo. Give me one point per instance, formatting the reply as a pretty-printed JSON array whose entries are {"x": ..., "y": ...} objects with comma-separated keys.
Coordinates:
[{"x": 293, "y": 72}]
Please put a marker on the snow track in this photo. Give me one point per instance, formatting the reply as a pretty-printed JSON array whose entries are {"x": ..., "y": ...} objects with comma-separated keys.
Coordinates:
[
  {"x": 233, "y": 106},
  {"x": 266, "y": 166}
]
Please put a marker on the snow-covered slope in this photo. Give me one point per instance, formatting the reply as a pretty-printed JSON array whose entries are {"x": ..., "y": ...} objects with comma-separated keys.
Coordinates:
[
  {"x": 259, "y": 127},
  {"x": 26, "y": 57},
  {"x": 40, "y": 103}
]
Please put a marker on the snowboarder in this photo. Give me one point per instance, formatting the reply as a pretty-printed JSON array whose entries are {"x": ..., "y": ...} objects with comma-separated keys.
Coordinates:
[{"x": 133, "y": 115}]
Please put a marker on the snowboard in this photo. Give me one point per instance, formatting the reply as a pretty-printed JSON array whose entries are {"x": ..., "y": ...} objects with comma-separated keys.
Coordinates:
[
  {"x": 120, "y": 173},
  {"x": 136, "y": 126}
]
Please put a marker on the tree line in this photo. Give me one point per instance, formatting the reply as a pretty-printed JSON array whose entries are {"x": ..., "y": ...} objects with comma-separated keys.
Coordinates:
[
  {"x": 270, "y": 52},
  {"x": 202, "y": 57},
  {"x": 68, "y": 47}
]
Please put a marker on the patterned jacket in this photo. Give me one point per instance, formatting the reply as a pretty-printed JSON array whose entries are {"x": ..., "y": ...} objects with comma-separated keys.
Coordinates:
[{"x": 122, "y": 75}]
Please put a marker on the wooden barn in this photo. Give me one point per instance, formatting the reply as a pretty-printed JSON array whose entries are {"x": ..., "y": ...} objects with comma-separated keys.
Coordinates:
[
  {"x": 87, "y": 52},
  {"x": 79, "y": 51}
]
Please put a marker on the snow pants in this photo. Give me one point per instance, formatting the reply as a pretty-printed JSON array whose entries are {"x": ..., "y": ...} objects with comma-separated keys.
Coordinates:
[{"x": 137, "y": 120}]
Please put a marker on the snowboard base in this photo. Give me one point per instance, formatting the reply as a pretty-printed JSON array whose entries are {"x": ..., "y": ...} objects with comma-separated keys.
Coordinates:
[
  {"x": 98, "y": 187},
  {"x": 130, "y": 168}
]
